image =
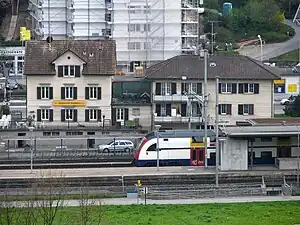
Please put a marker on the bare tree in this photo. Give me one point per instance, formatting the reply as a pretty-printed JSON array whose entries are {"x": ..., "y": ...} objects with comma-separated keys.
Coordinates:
[
  {"x": 86, "y": 208},
  {"x": 49, "y": 195}
]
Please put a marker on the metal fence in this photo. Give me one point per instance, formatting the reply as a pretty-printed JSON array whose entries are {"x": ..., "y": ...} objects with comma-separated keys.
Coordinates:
[{"x": 68, "y": 147}]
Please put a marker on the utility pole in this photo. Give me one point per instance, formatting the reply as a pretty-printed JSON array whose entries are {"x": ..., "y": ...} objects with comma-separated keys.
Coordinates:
[
  {"x": 217, "y": 132},
  {"x": 212, "y": 22},
  {"x": 205, "y": 101}
]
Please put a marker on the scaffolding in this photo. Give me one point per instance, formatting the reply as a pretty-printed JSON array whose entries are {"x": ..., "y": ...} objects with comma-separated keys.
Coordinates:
[
  {"x": 297, "y": 16},
  {"x": 191, "y": 28}
]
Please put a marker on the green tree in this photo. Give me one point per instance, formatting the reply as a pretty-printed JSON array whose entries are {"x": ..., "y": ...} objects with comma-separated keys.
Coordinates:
[
  {"x": 5, "y": 110},
  {"x": 293, "y": 109}
]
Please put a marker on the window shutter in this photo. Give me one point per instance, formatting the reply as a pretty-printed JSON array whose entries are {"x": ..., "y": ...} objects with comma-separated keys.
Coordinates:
[
  {"x": 77, "y": 71},
  {"x": 60, "y": 71},
  {"x": 50, "y": 115},
  {"x": 198, "y": 110},
  {"x": 228, "y": 110},
  {"x": 39, "y": 116},
  {"x": 233, "y": 88},
  {"x": 87, "y": 116},
  {"x": 246, "y": 89},
  {"x": 87, "y": 93},
  {"x": 158, "y": 89},
  {"x": 74, "y": 115},
  {"x": 113, "y": 116},
  {"x": 173, "y": 89},
  {"x": 219, "y": 108},
  {"x": 240, "y": 109},
  {"x": 220, "y": 88},
  {"x": 62, "y": 115},
  {"x": 251, "y": 109},
  {"x": 241, "y": 88},
  {"x": 99, "y": 94},
  {"x": 126, "y": 114},
  {"x": 199, "y": 88},
  {"x": 168, "y": 109},
  {"x": 256, "y": 88},
  {"x": 99, "y": 115},
  {"x": 158, "y": 109},
  {"x": 183, "y": 110},
  {"x": 50, "y": 92},
  {"x": 75, "y": 93},
  {"x": 62, "y": 92},
  {"x": 38, "y": 93}
]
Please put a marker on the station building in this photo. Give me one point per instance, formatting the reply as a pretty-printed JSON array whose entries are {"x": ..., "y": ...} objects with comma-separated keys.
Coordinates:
[
  {"x": 263, "y": 142},
  {"x": 70, "y": 82}
]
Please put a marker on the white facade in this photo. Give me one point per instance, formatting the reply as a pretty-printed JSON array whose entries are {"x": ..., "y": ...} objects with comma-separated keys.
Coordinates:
[
  {"x": 15, "y": 57},
  {"x": 145, "y": 31},
  {"x": 170, "y": 97},
  {"x": 44, "y": 90}
]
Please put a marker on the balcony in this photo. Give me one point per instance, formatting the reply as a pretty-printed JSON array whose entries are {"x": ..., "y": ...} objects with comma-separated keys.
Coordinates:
[
  {"x": 177, "y": 119},
  {"x": 174, "y": 98}
]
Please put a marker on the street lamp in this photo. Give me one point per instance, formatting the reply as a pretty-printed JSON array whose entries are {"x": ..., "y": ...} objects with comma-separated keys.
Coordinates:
[
  {"x": 157, "y": 127},
  {"x": 31, "y": 149},
  {"x": 261, "y": 50},
  {"x": 217, "y": 131}
]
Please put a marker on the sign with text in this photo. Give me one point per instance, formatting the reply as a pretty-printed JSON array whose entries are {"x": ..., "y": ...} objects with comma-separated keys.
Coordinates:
[{"x": 74, "y": 103}]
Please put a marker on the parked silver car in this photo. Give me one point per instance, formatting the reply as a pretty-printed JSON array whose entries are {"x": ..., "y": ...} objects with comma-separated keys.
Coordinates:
[{"x": 117, "y": 146}]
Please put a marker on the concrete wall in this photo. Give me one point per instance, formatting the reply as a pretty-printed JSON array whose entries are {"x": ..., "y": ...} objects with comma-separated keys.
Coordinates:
[{"x": 234, "y": 155}]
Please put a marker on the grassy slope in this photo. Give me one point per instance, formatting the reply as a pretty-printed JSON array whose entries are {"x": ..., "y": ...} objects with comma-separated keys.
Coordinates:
[
  {"x": 290, "y": 56},
  {"x": 272, "y": 213}
]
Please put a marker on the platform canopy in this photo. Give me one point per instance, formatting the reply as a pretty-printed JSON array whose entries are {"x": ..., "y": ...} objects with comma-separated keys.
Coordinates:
[{"x": 259, "y": 131}]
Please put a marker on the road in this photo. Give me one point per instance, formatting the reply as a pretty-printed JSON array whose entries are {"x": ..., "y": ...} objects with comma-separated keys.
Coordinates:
[
  {"x": 133, "y": 201},
  {"x": 273, "y": 50},
  {"x": 278, "y": 108}
]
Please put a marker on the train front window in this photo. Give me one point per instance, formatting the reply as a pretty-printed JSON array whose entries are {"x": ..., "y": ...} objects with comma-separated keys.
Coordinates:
[{"x": 152, "y": 148}]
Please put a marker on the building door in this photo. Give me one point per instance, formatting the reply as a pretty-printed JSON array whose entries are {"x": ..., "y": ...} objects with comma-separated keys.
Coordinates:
[
  {"x": 197, "y": 156},
  {"x": 91, "y": 143},
  {"x": 283, "y": 152}
]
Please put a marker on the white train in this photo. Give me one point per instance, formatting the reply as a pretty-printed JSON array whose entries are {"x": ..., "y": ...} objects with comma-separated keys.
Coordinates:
[{"x": 177, "y": 147}]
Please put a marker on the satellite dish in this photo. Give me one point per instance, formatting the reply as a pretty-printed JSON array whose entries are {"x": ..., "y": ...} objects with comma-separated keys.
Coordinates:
[{"x": 49, "y": 39}]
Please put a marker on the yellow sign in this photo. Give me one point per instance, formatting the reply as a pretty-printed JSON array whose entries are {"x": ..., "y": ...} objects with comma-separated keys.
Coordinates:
[
  {"x": 292, "y": 88},
  {"x": 68, "y": 103},
  {"x": 279, "y": 81},
  {"x": 25, "y": 35},
  {"x": 138, "y": 184}
]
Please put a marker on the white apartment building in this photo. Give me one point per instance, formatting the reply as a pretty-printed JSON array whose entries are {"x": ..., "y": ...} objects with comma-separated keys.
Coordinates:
[
  {"x": 145, "y": 31},
  {"x": 70, "y": 81}
]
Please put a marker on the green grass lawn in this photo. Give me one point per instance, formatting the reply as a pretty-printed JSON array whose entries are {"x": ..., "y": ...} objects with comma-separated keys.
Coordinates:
[
  {"x": 290, "y": 56},
  {"x": 272, "y": 213}
]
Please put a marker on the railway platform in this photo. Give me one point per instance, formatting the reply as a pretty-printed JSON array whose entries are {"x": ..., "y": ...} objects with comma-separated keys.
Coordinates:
[{"x": 134, "y": 171}]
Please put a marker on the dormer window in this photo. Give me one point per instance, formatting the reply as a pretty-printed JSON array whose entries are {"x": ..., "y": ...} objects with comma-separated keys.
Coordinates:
[{"x": 69, "y": 71}]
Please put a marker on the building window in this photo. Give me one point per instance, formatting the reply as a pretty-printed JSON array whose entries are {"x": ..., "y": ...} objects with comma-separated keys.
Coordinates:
[
  {"x": 44, "y": 92},
  {"x": 226, "y": 88},
  {"x": 134, "y": 45},
  {"x": 135, "y": 112},
  {"x": 134, "y": 9},
  {"x": 45, "y": 115},
  {"x": 225, "y": 109},
  {"x": 189, "y": 88},
  {"x": 246, "y": 109},
  {"x": 134, "y": 27},
  {"x": 69, "y": 71},
  {"x": 92, "y": 93},
  {"x": 163, "y": 110},
  {"x": 69, "y": 114},
  {"x": 69, "y": 92},
  {"x": 166, "y": 89},
  {"x": 249, "y": 88},
  {"x": 93, "y": 114},
  {"x": 147, "y": 27},
  {"x": 120, "y": 114},
  {"x": 147, "y": 9}
]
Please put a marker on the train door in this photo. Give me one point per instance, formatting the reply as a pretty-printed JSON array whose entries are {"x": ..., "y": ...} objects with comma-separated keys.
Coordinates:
[{"x": 197, "y": 156}]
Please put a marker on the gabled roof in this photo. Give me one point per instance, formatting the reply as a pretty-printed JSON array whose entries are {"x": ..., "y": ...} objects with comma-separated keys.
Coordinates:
[
  {"x": 226, "y": 67},
  {"x": 68, "y": 50},
  {"x": 100, "y": 56}
]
